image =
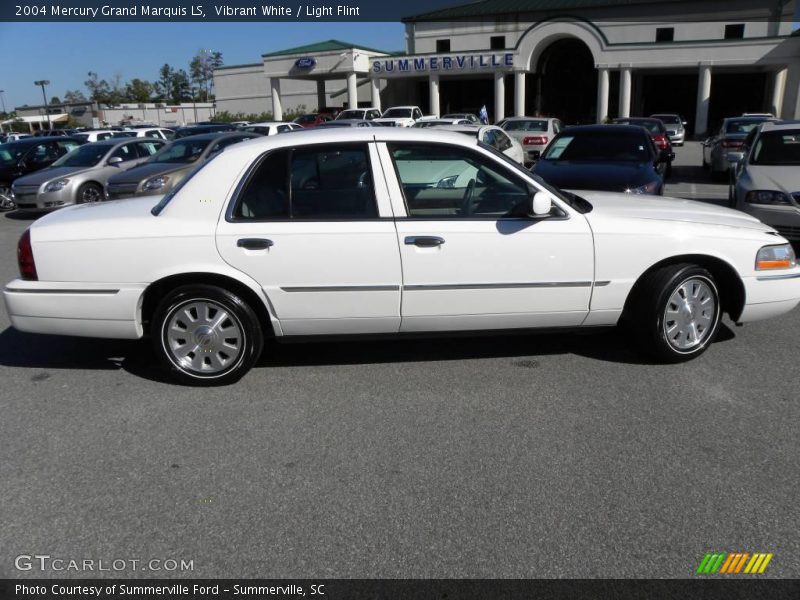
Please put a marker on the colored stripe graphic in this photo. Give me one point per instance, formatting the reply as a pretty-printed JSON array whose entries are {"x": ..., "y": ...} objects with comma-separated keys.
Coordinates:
[
  {"x": 734, "y": 562},
  {"x": 740, "y": 564}
]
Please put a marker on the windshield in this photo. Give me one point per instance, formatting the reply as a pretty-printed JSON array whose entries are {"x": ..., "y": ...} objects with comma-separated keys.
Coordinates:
[
  {"x": 83, "y": 156},
  {"x": 181, "y": 151},
  {"x": 651, "y": 126},
  {"x": 351, "y": 114},
  {"x": 11, "y": 153},
  {"x": 777, "y": 148},
  {"x": 615, "y": 145},
  {"x": 742, "y": 126},
  {"x": 537, "y": 125},
  {"x": 668, "y": 120},
  {"x": 397, "y": 113}
]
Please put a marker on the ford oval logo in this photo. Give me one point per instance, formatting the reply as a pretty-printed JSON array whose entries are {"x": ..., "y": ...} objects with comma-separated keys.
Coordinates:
[{"x": 305, "y": 63}]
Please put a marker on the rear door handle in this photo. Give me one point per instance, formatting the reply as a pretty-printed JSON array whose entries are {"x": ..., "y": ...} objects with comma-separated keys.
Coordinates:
[
  {"x": 424, "y": 241},
  {"x": 254, "y": 243}
]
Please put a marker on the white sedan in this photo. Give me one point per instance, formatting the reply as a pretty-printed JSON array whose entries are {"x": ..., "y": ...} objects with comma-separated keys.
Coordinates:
[{"x": 388, "y": 231}]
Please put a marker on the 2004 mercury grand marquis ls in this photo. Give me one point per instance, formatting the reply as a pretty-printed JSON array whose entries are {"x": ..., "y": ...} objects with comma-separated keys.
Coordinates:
[{"x": 385, "y": 232}]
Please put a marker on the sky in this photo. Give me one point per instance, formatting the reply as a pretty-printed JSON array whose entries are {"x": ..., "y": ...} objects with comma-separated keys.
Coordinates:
[{"x": 64, "y": 53}]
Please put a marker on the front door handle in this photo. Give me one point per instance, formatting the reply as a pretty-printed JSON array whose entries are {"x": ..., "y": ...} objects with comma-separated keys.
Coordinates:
[
  {"x": 254, "y": 243},
  {"x": 424, "y": 241}
]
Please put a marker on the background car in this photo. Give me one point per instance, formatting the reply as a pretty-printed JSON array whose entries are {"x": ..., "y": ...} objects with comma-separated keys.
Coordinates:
[
  {"x": 26, "y": 156},
  {"x": 270, "y": 127},
  {"x": 533, "y": 133},
  {"x": 95, "y": 135},
  {"x": 424, "y": 123},
  {"x": 167, "y": 167},
  {"x": 160, "y": 133},
  {"x": 346, "y": 123},
  {"x": 471, "y": 117},
  {"x": 616, "y": 158},
  {"x": 768, "y": 178},
  {"x": 189, "y": 130},
  {"x": 13, "y": 137},
  {"x": 491, "y": 135},
  {"x": 312, "y": 120},
  {"x": 79, "y": 177},
  {"x": 676, "y": 127},
  {"x": 657, "y": 131},
  {"x": 400, "y": 116},
  {"x": 365, "y": 114},
  {"x": 728, "y": 143}
]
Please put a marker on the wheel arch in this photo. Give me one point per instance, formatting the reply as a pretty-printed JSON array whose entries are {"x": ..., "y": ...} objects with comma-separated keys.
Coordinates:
[
  {"x": 729, "y": 283},
  {"x": 159, "y": 288}
]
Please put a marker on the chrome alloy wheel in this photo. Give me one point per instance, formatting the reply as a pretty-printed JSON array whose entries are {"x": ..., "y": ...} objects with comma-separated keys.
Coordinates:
[
  {"x": 691, "y": 314},
  {"x": 6, "y": 200},
  {"x": 202, "y": 337},
  {"x": 90, "y": 193}
]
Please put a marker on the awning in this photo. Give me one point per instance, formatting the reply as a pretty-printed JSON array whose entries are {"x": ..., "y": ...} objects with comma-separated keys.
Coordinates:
[{"x": 57, "y": 118}]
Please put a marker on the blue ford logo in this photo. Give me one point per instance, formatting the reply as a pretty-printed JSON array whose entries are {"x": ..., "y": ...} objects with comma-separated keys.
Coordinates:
[{"x": 305, "y": 63}]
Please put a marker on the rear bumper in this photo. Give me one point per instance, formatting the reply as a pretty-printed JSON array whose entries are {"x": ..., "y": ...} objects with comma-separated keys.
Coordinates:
[
  {"x": 80, "y": 309},
  {"x": 770, "y": 295}
]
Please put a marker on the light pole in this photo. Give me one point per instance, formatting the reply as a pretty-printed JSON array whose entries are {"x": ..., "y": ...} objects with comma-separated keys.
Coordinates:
[
  {"x": 3, "y": 100},
  {"x": 42, "y": 83}
]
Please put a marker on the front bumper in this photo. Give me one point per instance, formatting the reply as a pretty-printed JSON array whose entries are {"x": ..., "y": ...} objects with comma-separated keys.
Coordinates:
[
  {"x": 104, "y": 310},
  {"x": 38, "y": 201},
  {"x": 770, "y": 294}
]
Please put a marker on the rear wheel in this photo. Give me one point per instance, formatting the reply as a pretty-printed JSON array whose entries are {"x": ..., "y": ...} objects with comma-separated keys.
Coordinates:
[
  {"x": 676, "y": 312},
  {"x": 206, "y": 335},
  {"x": 89, "y": 192}
]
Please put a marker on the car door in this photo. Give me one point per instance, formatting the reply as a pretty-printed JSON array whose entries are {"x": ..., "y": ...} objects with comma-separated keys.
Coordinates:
[
  {"x": 40, "y": 156},
  {"x": 312, "y": 224},
  {"x": 471, "y": 257}
]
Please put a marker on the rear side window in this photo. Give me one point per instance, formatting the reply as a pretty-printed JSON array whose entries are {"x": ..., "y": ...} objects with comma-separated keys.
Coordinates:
[{"x": 323, "y": 182}]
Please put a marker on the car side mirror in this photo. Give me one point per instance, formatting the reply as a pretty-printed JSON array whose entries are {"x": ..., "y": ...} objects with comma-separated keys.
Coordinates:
[
  {"x": 541, "y": 204},
  {"x": 114, "y": 161}
]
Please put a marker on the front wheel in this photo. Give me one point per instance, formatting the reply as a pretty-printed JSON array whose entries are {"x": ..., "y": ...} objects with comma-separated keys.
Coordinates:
[
  {"x": 676, "y": 312},
  {"x": 6, "y": 202},
  {"x": 206, "y": 335},
  {"x": 90, "y": 192}
]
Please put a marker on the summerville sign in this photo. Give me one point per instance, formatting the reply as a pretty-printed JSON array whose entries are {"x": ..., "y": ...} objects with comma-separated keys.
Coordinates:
[{"x": 454, "y": 62}]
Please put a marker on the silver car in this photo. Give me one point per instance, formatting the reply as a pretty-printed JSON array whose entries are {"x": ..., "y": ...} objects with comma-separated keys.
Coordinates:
[
  {"x": 533, "y": 133},
  {"x": 676, "y": 127},
  {"x": 768, "y": 178},
  {"x": 79, "y": 176},
  {"x": 727, "y": 146}
]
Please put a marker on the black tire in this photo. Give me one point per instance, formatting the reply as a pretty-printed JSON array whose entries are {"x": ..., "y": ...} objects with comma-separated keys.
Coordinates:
[
  {"x": 649, "y": 320},
  {"x": 222, "y": 353},
  {"x": 89, "y": 192}
]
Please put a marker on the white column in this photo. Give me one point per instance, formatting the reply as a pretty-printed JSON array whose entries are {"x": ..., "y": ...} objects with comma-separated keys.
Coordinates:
[
  {"x": 375, "y": 92},
  {"x": 499, "y": 96},
  {"x": 778, "y": 89},
  {"x": 703, "y": 100},
  {"x": 519, "y": 93},
  {"x": 352, "y": 91},
  {"x": 321, "y": 96},
  {"x": 602, "y": 94},
  {"x": 275, "y": 92},
  {"x": 625, "y": 92},
  {"x": 433, "y": 85}
]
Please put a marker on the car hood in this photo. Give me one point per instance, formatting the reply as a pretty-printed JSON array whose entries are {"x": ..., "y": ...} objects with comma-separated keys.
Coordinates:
[
  {"x": 634, "y": 206},
  {"x": 609, "y": 176},
  {"x": 96, "y": 220},
  {"x": 49, "y": 174},
  {"x": 147, "y": 170},
  {"x": 392, "y": 120},
  {"x": 784, "y": 179}
]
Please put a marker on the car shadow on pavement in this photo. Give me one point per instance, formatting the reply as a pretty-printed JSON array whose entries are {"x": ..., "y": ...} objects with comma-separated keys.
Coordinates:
[
  {"x": 16, "y": 215},
  {"x": 39, "y": 351}
]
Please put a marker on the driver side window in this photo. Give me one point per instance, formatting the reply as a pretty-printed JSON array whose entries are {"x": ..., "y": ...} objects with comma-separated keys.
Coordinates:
[{"x": 442, "y": 181}]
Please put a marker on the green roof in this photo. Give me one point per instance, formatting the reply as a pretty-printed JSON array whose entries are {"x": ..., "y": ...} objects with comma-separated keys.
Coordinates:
[
  {"x": 326, "y": 46},
  {"x": 223, "y": 67},
  {"x": 486, "y": 8}
]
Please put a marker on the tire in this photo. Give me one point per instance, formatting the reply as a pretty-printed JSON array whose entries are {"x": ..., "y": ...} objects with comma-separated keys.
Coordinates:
[
  {"x": 195, "y": 345},
  {"x": 6, "y": 203},
  {"x": 89, "y": 192},
  {"x": 667, "y": 327}
]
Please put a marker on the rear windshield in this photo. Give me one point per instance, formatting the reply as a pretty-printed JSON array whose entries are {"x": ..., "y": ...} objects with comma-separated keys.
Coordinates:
[
  {"x": 398, "y": 113},
  {"x": 351, "y": 114},
  {"x": 742, "y": 126},
  {"x": 651, "y": 126},
  {"x": 536, "y": 125},
  {"x": 626, "y": 146},
  {"x": 668, "y": 120},
  {"x": 777, "y": 148}
]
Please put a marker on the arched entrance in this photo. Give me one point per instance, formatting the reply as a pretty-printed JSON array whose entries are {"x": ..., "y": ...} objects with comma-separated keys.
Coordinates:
[{"x": 565, "y": 83}]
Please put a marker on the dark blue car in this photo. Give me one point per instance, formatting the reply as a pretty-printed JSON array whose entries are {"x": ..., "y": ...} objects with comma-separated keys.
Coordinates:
[{"x": 613, "y": 158}]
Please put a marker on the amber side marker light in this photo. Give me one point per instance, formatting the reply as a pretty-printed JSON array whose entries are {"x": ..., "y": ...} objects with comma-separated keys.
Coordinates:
[{"x": 27, "y": 266}]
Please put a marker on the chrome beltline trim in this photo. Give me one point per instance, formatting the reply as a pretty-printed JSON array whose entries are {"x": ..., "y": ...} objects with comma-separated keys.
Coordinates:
[
  {"x": 498, "y": 286},
  {"x": 775, "y": 277},
  {"x": 61, "y": 291},
  {"x": 343, "y": 288}
]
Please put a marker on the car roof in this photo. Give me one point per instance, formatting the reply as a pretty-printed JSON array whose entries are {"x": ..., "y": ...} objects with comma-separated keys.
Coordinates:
[
  {"x": 530, "y": 119},
  {"x": 266, "y": 123},
  {"x": 604, "y": 128},
  {"x": 212, "y": 136},
  {"x": 42, "y": 138},
  {"x": 780, "y": 125}
]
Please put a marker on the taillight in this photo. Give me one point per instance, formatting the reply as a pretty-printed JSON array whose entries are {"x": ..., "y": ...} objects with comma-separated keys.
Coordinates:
[
  {"x": 535, "y": 140},
  {"x": 27, "y": 266},
  {"x": 661, "y": 141},
  {"x": 732, "y": 143}
]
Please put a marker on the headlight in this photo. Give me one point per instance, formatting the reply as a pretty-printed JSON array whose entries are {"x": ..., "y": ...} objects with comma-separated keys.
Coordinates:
[
  {"x": 775, "y": 257},
  {"x": 767, "y": 197},
  {"x": 648, "y": 188},
  {"x": 155, "y": 183},
  {"x": 55, "y": 186}
]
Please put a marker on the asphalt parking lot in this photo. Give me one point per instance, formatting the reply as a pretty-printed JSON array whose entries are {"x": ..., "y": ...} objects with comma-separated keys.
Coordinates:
[{"x": 524, "y": 456}]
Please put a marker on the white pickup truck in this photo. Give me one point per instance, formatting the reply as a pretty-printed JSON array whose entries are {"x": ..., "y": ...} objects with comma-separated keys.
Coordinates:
[{"x": 400, "y": 116}]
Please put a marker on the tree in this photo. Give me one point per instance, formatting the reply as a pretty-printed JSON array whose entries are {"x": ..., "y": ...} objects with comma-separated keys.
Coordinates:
[
  {"x": 55, "y": 100},
  {"x": 163, "y": 86},
  {"x": 201, "y": 69},
  {"x": 99, "y": 90},
  {"x": 138, "y": 90},
  {"x": 74, "y": 96},
  {"x": 181, "y": 89}
]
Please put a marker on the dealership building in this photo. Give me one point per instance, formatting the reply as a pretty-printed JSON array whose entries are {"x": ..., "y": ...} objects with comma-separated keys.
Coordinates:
[{"x": 579, "y": 60}]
